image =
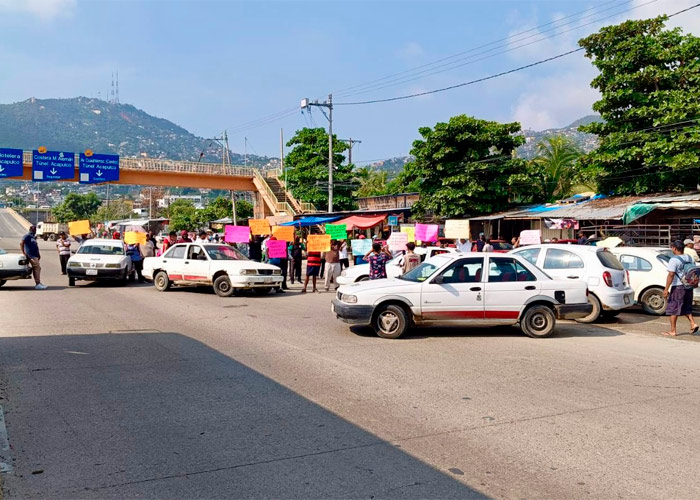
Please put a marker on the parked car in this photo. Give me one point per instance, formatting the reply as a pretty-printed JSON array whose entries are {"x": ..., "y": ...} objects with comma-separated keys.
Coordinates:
[
  {"x": 647, "y": 270},
  {"x": 13, "y": 266},
  {"x": 607, "y": 280},
  {"x": 464, "y": 289},
  {"x": 220, "y": 266},
  {"x": 100, "y": 259},
  {"x": 394, "y": 267}
]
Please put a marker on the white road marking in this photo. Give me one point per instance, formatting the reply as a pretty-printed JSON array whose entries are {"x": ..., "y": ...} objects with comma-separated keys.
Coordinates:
[{"x": 5, "y": 465}]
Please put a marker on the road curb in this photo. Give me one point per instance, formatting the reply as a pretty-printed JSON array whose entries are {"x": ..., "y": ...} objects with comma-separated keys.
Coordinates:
[{"x": 24, "y": 222}]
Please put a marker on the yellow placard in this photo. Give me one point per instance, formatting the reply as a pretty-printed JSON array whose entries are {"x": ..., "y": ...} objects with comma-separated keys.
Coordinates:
[
  {"x": 456, "y": 228},
  {"x": 259, "y": 226},
  {"x": 79, "y": 227},
  {"x": 132, "y": 237},
  {"x": 318, "y": 243},
  {"x": 285, "y": 233},
  {"x": 410, "y": 231}
]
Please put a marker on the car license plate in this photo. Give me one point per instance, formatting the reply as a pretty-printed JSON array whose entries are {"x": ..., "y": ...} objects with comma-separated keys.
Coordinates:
[
  {"x": 627, "y": 299},
  {"x": 91, "y": 272}
]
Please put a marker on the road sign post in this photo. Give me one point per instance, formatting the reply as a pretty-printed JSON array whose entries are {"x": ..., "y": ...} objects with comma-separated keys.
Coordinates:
[
  {"x": 98, "y": 168},
  {"x": 11, "y": 163},
  {"x": 52, "y": 166}
]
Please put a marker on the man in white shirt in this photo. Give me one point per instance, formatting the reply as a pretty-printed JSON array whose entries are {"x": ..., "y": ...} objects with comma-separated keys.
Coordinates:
[
  {"x": 690, "y": 250},
  {"x": 463, "y": 245},
  {"x": 679, "y": 299}
]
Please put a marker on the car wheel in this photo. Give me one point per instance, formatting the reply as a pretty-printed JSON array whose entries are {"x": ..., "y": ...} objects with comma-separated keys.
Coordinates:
[
  {"x": 161, "y": 281},
  {"x": 2, "y": 282},
  {"x": 52, "y": 237},
  {"x": 262, "y": 291},
  {"x": 538, "y": 322},
  {"x": 222, "y": 286},
  {"x": 610, "y": 314},
  {"x": 653, "y": 301},
  {"x": 362, "y": 278},
  {"x": 390, "y": 322},
  {"x": 595, "y": 313},
  {"x": 71, "y": 281}
]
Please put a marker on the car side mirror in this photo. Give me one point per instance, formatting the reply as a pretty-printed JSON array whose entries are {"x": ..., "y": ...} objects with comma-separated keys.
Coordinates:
[{"x": 439, "y": 280}]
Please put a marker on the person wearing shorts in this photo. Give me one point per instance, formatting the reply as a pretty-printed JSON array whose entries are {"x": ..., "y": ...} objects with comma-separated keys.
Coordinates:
[
  {"x": 313, "y": 268},
  {"x": 679, "y": 298}
]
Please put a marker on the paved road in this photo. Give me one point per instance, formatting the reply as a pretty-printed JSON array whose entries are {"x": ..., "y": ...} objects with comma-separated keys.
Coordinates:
[
  {"x": 119, "y": 392},
  {"x": 9, "y": 226}
]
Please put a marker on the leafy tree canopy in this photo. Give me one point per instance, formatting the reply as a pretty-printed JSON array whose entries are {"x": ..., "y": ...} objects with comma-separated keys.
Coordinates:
[
  {"x": 465, "y": 166},
  {"x": 183, "y": 215},
  {"x": 307, "y": 170},
  {"x": 554, "y": 171},
  {"x": 222, "y": 207},
  {"x": 116, "y": 210},
  {"x": 650, "y": 85},
  {"x": 77, "y": 207}
]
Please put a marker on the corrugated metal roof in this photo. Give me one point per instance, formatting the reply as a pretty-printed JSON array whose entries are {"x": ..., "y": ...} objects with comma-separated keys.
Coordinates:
[{"x": 671, "y": 198}]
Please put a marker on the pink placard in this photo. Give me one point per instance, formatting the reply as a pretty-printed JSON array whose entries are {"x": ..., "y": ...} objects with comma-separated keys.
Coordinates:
[
  {"x": 277, "y": 249},
  {"x": 237, "y": 234},
  {"x": 397, "y": 241},
  {"x": 426, "y": 232}
]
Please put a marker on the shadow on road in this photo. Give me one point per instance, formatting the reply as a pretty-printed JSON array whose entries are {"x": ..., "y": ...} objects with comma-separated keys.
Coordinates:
[{"x": 159, "y": 415}]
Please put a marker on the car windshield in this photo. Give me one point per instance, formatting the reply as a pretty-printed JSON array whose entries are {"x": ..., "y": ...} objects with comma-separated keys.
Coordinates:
[
  {"x": 420, "y": 273},
  {"x": 101, "y": 249},
  {"x": 501, "y": 245},
  {"x": 2, "y": 252},
  {"x": 664, "y": 258},
  {"x": 609, "y": 260},
  {"x": 224, "y": 252}
]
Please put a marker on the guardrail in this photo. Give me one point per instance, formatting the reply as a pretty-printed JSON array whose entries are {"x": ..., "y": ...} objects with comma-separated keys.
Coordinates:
[
  {"x": 278, "y": 174},
  {"x": 279, "y": 206},
  {"x": 162, "y": 165}
]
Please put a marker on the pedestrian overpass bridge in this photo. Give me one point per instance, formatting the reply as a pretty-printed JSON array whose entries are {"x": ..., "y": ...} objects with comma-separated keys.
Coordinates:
[{"x": 272, "y": 197}]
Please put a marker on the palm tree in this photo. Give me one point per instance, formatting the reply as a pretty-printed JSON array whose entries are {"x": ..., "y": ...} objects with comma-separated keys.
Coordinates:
[
  {"x": 372, "y": 182},
  {"x": 556, "y": 166}
]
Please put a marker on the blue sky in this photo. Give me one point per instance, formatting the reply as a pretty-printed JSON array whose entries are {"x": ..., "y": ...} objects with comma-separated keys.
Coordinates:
[{"x": 215, "y": 65}]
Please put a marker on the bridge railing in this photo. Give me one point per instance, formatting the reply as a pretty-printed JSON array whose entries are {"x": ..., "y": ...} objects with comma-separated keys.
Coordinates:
[
  {"x": 161, "y": 165},
  {"x": 299, "y": 206},
  {"x": 279, "y": 206}
]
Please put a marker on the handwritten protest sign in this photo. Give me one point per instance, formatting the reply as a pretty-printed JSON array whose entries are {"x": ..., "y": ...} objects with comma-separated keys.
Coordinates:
[
  {"x": 361, "y": 247},
  {"x": 277, "y": 249},
  {"x": 457, "y": 229},
  {"x": 259, "y": 226},
  {"x": 530, "y": 237},
  {"x": 397, "y": 241},
  {"x": 427, "y": 232},
  {"x": 132, "y": 237},
  {"x": 337, "y": 231},
  {"x": 285, "y": 233},
  {"x": 79, "y": 227},
  {"x": 410, "y": 231},
  {"x": 318, "y": 243},
  {"x": 236, "y": 234}
]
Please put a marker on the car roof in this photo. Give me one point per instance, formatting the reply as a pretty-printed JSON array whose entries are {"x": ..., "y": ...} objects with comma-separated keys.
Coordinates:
[
  {"x": 104, "y": 241},
  {"x": 564, "y": 246}
]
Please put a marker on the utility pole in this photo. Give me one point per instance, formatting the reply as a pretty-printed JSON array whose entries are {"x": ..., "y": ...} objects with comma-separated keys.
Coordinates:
[
  {"x": 350, "y": 142},
  {"x": 305, "y": 103}
]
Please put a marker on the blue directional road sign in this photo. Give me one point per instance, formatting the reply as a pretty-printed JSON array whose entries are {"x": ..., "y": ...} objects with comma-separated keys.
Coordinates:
[
  {"x": 11, "y": 163},
  {"x": 98, "y": 168},
  {"x": 52, "y": 166}
]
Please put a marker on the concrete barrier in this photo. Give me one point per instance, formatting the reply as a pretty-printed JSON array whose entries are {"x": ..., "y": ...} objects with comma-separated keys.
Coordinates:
[{"x": 24, "y": 222}]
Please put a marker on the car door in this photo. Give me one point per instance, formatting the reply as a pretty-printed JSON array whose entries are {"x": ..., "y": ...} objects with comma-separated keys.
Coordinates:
[
  {"x": 196, "y": 265},
  {"x": 455, "y": 294},
  {"x": 639, "y": 270},
  {"x": 509, "y": 285},
  {"x": 563, "y": 264},
  {"x": 174, "y": 262}
]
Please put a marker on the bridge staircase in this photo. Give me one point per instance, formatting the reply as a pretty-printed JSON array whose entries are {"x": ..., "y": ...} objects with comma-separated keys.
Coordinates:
[{"x": 277, "y": 198}]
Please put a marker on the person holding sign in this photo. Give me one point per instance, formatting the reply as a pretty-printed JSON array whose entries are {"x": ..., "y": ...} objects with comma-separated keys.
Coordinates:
[
  {"x": 133, "y": 250},
  {"x": 63, "y": 247},
  {"x": 313, "y": 267},
  {"x": 377, "y": 259},
  {"x": 332, "y": 259}
]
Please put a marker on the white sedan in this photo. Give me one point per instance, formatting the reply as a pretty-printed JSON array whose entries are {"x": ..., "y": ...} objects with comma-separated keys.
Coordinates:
[
  {"x": 464, "y": 289},
  {"x": 13, "y": 266},
  {"x": 100, "y": 259},
  {"x": 394, "y": 268},
  {"x": 220, "y": 266}
]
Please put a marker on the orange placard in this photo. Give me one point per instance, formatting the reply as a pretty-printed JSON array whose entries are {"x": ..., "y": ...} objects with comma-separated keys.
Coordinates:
[
  {"x": 79, "y": 227},
  {"x": 259, "y": 226},
  {"x": 133, "y": 237},
  {"x": 285, "y": 233},
  {"x": 318, "y": 243}
]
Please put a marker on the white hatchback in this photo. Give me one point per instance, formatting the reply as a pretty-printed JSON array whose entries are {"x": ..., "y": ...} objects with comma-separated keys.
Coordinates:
[
  {"x": 464, "y": 289},
  {"x": 607, "y": 280}
]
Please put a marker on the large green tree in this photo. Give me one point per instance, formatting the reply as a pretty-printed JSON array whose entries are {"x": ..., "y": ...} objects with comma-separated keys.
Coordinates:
[
  {"x": 371, "y": 182},
  {"x": 77, "y": 207},
  {"x": 116, "y": 210},
  {"x": 307, "y": 170},
  {"x": 222, "y": 207},
  {"x": 183, "y": 215},
  {"x": 554, "y": 171},
  {"x": 465, "y": 166},
  {"x": 650, "y": 100}
]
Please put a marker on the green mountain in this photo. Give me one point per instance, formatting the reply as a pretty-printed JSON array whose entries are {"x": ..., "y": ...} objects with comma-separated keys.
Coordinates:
[{"x": 83, "y": 123}]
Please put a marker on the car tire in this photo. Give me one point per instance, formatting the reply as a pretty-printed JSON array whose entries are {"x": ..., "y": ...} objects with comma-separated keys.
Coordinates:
[
  {"x": 52, "y": 237},
  {"x": 595, "y": 313},
  {"x": 161, "y": 281},
  {"x": 538, "y": 322},
  {"x": 222, "y": 286},
  {"x": 653, "y": 301},
  {"x": 362, "y": 278},
  {"x": 2, "y": 282},
  {"x": 262, "y": 291},
  {"x": 390, "y": 322},
  {"x": 610, "y": 314},
  {"x": 71, "y": 281}
]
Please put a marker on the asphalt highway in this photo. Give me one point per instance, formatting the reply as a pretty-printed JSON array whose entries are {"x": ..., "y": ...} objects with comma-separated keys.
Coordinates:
[{"x": 124, "y": 392}]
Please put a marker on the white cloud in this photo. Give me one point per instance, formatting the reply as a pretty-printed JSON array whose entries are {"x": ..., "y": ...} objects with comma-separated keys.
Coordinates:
[{"x": 43, "y": 9}]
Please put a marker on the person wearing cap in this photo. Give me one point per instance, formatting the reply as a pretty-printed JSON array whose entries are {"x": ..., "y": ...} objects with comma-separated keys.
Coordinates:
[
  {"x": 63, "y": 248},
  {"x": 30, "y": 249},
  {"x": 690, "y": 249}
]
